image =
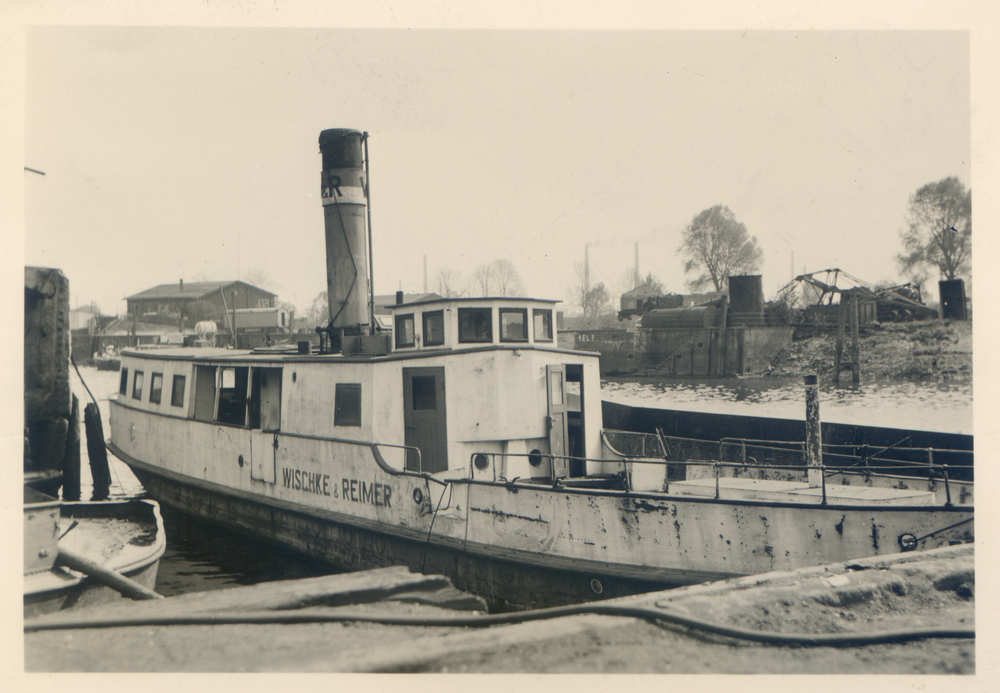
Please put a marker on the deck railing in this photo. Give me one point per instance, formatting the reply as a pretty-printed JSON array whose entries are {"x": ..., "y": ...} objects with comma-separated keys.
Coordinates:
[
  {"x": 623, "y": 479},
  {"x": 958, "y": 464}
]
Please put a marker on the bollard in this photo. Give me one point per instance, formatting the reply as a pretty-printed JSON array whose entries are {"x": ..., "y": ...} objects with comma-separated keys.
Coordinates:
[{"x": 814, "y": 440}]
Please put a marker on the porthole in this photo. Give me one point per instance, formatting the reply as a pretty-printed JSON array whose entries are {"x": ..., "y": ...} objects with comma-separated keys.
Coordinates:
[
  {"x": 481, "y": 461},
  {"x": 535, "y": 457},
  {"x": 907, "y": 542},
  {"x": 294, "y": 376},
  {"x": 418, "y": 496},
  {"x": 242, "y": 461},
  {"x": 596, "y": 585}
]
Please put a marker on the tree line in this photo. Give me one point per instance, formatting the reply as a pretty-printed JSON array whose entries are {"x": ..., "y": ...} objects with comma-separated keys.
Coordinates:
[{"x": 716, "y": 245}]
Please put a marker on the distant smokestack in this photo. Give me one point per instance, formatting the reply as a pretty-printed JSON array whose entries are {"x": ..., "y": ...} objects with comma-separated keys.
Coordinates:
[
  {"x": 182, "y": 285},
  {"x": 344, "y": 194},
  {"x": 399, "y": 297}
]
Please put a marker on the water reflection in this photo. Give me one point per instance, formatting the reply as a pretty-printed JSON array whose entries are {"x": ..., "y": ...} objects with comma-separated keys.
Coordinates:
[
  {"x": 202, "y": 555},
  {"x": 943, "y": 407}
]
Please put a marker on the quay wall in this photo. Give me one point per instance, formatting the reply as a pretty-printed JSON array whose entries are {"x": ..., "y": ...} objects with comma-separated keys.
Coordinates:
[{"x": 681, "y": 351}]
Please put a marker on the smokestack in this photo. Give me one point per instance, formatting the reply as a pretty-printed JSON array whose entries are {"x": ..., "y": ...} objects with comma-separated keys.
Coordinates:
[{"x": 345, "y": 202}]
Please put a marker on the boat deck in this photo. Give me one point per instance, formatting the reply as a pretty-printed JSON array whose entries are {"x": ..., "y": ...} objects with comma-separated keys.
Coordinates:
[{"x": 799, "y": 492}]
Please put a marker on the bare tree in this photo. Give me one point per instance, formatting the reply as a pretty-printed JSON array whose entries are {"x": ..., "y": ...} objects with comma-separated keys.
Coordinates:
[
  {"x": 718, "y": 246},
  {"x": 257, "y": 277},
  {"x": 508, "y": 279},
  {"x": 939, "y": 231},
  {"x": 482, "y": 280},
  {"x": 447, "y": 283},
  {"x": 498, "y": 278},
  {"x": 319, "y": 311},
  {"x": 593, "y": 298}
]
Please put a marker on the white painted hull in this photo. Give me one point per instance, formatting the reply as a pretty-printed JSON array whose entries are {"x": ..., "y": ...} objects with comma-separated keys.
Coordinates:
[{"x": 332, "y": 499}]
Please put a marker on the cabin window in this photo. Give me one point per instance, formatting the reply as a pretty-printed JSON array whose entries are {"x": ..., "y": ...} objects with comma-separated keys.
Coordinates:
[
  {"x": 513, "y": 325},
  {"x": 177, "y": 393},
  {"x": 543, "y": 325},
  {"x": 137, "y": 386},
  {"x": 233, "y": 396},
  {"x": 123, "y": 385},
  {"x": 404, "y": 331},
  {"x": 475, "y": 324},
  {"x": 434, "y": 328},
  {"x": 347, "y": 408},
  {"x": 155, "y": 388}
]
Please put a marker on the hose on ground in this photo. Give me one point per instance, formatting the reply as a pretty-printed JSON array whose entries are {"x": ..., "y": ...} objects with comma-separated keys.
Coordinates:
[{"x": 656, "y": 616}]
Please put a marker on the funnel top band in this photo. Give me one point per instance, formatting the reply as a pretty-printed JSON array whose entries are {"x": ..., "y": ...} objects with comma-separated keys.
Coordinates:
[{"x": 336, "y": 135}]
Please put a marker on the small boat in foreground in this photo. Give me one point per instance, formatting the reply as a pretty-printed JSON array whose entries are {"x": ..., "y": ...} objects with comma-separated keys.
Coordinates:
[
  {"x": 467, "y": 443},
  {"x": 125, "y": 537}
]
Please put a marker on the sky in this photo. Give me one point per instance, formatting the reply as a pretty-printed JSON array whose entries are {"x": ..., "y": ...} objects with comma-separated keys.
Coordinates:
[{"x": 191, "y": 153}]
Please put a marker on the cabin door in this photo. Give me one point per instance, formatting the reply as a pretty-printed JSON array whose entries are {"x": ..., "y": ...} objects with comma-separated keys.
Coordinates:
[
  {"x": 558, "y": 420},
  {"x": 424, "y": 419},
  {"x": 265, "y": 422}
]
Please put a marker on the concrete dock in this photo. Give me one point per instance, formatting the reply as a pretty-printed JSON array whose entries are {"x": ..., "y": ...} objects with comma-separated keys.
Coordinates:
[{"x": 289, "y": 626}]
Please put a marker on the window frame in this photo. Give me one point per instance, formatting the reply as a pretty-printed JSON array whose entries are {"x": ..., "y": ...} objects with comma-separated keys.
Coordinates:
[
  {"x": 430, "y": 315},
  {"x": 153, "y": 389},
  {"x": 123, "y": 383},
  {"x": 473, "y": 310},
  {"x": 341, "y": 415},
  {"x": 137, "y": 383},
  {"x": 542, "y": 312},
  {"x": 398, "y": 334},
  {"x": 523, "y": 312},
  {"x": 173, "y": 390}
]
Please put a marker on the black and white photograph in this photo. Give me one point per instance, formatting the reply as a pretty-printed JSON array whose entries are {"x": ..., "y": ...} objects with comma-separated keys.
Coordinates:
[{"x": 432, "y": 338}]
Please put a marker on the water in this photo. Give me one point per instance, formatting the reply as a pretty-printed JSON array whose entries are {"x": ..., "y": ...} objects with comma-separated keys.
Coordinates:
[
  {"x": 203, "y": 556},
  {"x": 943, "y": 407}
]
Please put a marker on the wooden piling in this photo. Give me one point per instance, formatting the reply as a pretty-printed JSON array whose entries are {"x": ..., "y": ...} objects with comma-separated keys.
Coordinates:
[{"x": 814, "y": 437}]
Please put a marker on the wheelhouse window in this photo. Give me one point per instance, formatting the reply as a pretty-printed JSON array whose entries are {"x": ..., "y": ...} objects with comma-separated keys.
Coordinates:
[
  {"x": 434, "y": 328},
  {"x": 404, "y": 331},
  {"x": 475, "y": 325},
  {"x": 347, "y": 407},
  {"x": 542, "y": 324},
  {"x": 137, "y": 386},
  {"x": 123, "y": 385},
  {"x": 155, "y": 388},
  {"x": 513, "y": 325},
  {"x": 177, "y": 392},
  {"x": 233, "y": 396}
]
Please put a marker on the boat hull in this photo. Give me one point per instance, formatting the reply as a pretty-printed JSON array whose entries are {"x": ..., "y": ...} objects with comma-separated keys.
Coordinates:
[
  {"x": 517, "y": 561},
  {"x": 131, "y": 542},
  {"x": 504, "y": 584}
]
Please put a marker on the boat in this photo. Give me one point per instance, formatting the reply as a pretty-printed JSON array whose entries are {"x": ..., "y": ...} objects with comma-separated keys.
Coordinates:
[
  {"x": 466, "y": 442},
  {"x": 124, "y": 537},
  {"x": 107, "y": 360}
]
